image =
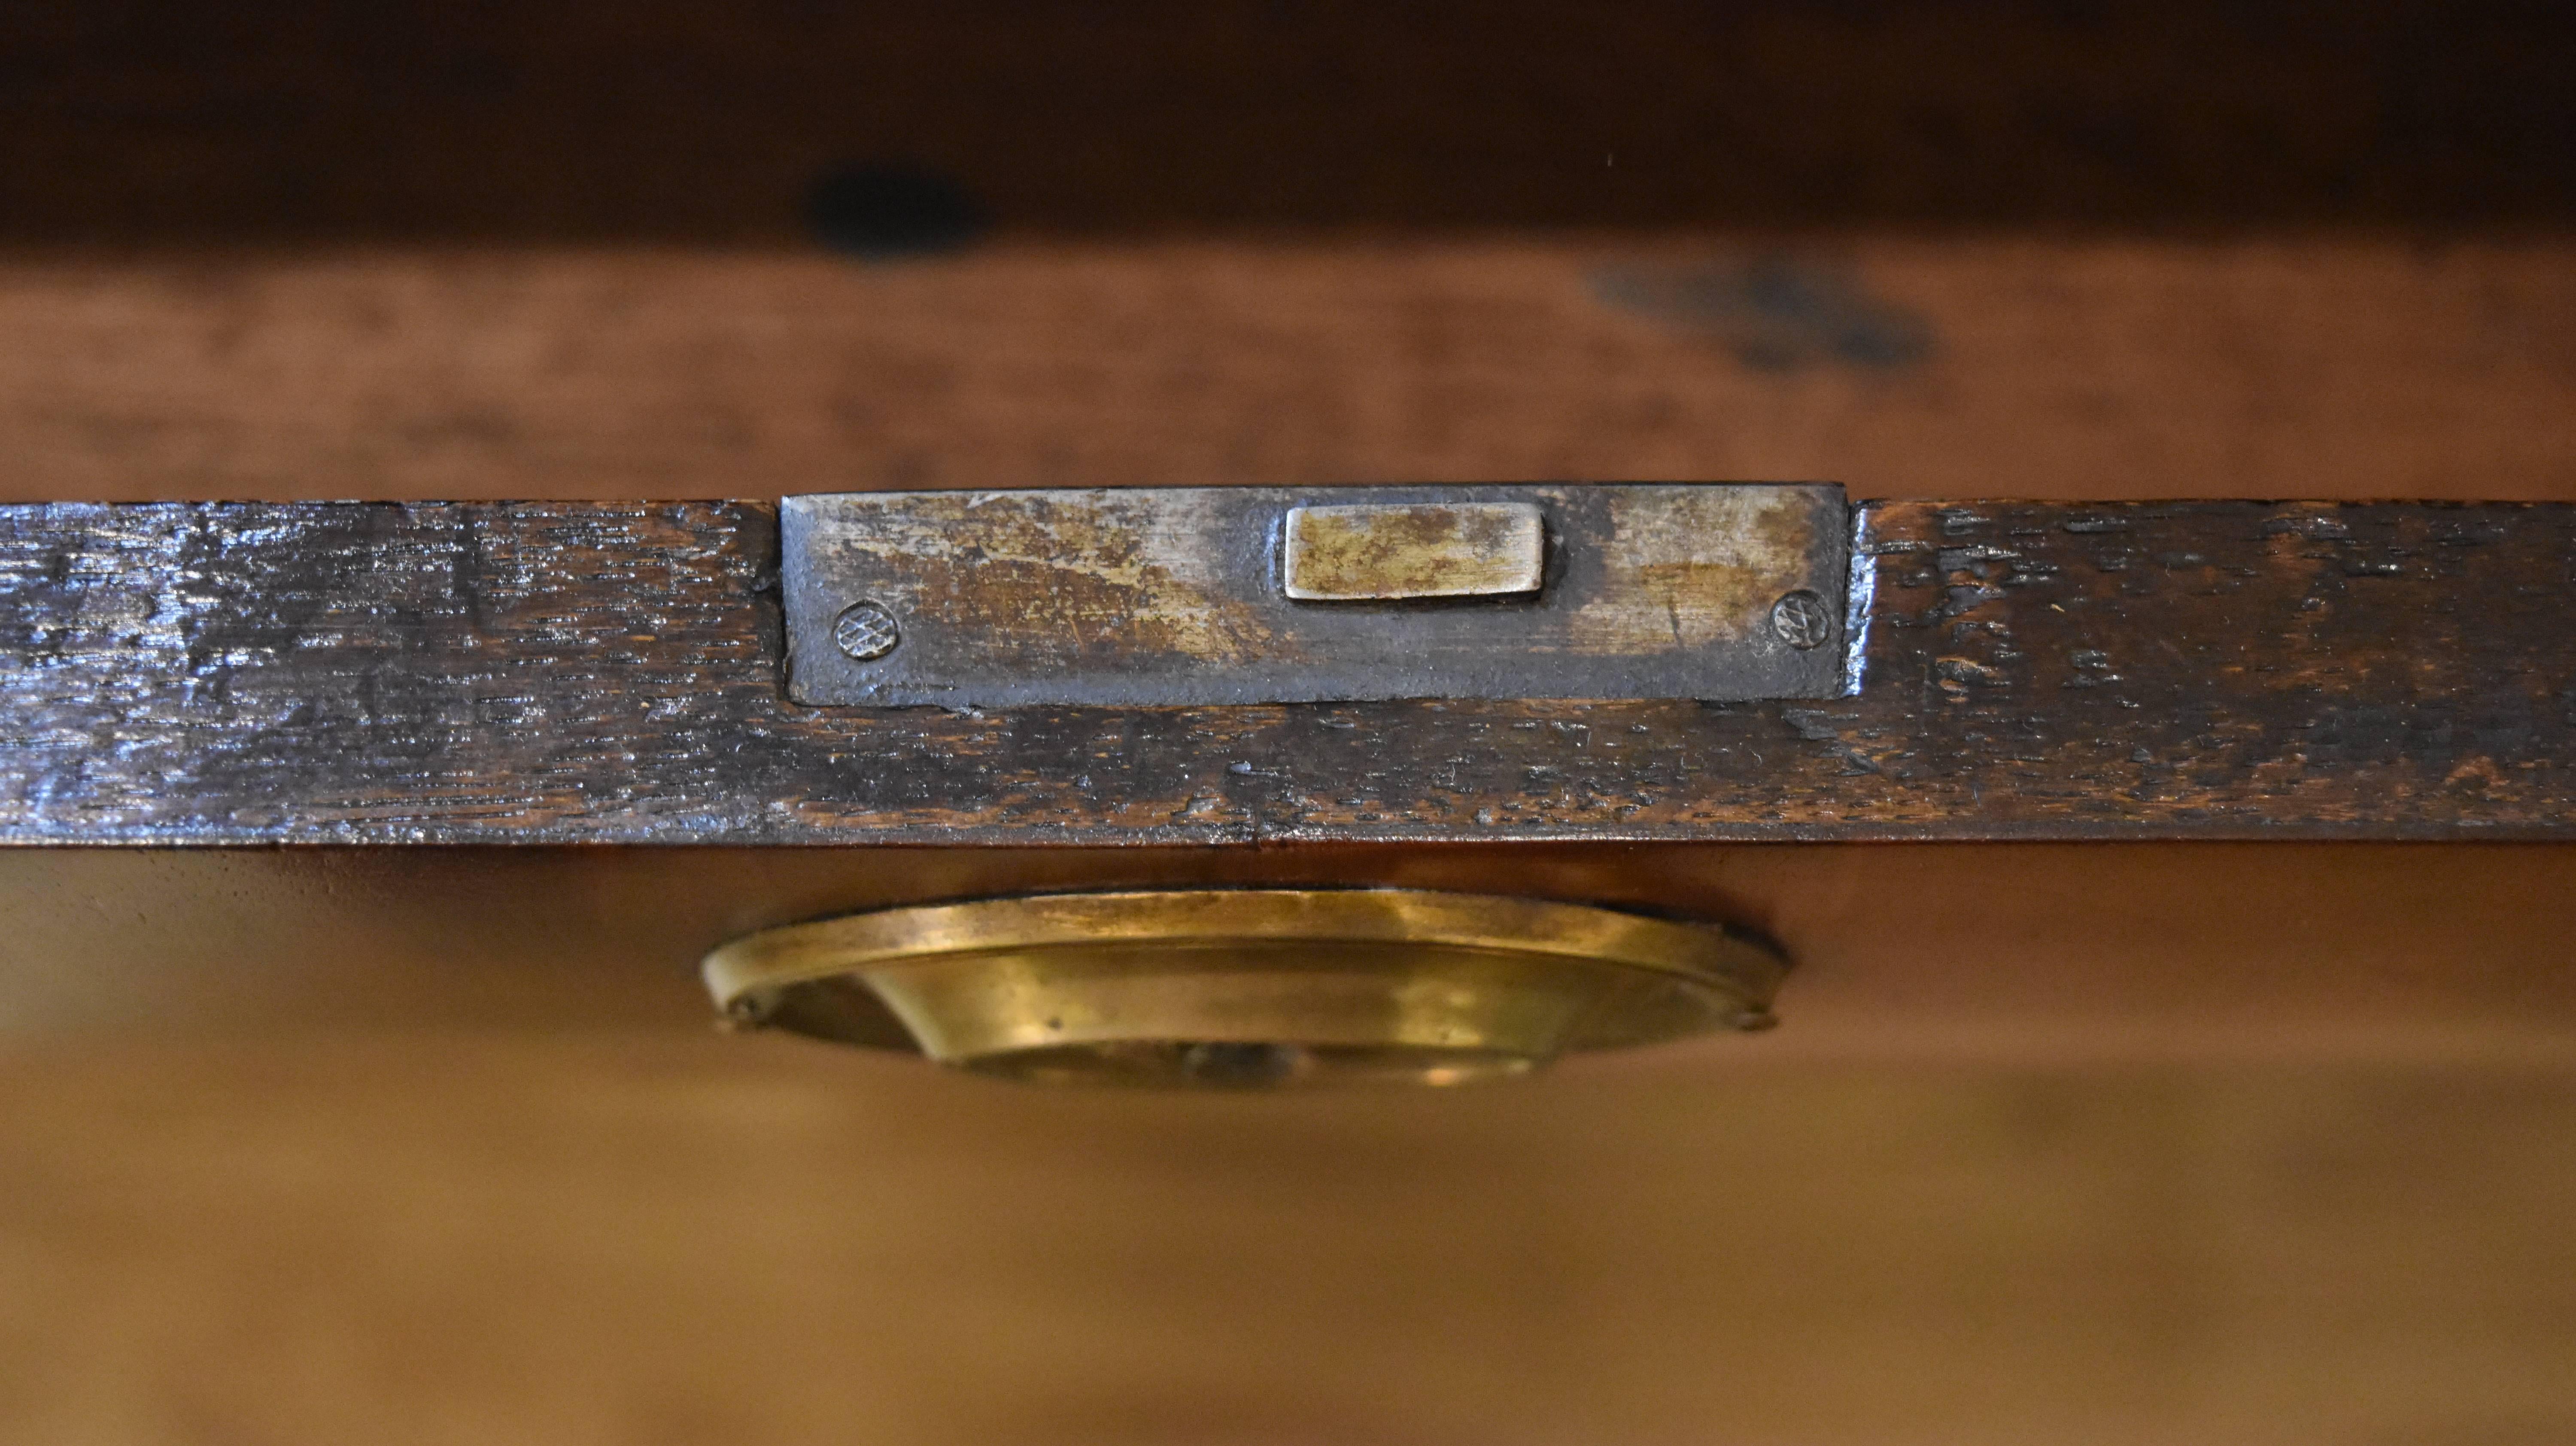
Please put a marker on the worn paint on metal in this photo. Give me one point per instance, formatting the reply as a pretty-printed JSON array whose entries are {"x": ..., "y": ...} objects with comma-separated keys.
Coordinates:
[{"x": 1148, "y": 597}]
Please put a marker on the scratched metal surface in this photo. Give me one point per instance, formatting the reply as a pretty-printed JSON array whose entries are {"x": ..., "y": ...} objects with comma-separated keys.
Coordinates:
[
  {"x": 598, "y": 672},
  {"x": 1149, "y": 597}
]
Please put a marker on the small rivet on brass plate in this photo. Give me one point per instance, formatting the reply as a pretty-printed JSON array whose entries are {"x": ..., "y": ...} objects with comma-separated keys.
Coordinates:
[
  {"x": 1801, "y": 620},
  {"x": 864, "y": 631}
]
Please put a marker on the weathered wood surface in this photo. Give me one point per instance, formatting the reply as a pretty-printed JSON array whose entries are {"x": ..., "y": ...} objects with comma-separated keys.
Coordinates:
[{"x": 610, "y": 672}]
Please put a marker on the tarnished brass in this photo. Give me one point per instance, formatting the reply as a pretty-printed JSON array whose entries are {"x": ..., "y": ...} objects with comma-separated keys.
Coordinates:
[
  {"x": 1392, "y": 550},
  {"x": 1248, "y": 987}
]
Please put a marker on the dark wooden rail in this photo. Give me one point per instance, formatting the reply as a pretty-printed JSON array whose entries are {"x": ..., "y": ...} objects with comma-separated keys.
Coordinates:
[{"x": 568, "y": 672}]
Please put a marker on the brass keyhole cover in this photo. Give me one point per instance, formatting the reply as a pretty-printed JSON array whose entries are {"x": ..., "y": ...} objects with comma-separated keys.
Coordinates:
[{"x": 1248, "y": 987}]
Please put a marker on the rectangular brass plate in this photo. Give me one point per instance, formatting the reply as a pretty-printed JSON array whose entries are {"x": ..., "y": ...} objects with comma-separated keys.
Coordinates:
[
  {"x": 1180, "y": 596},
  {"x": 1381, "y": 552}
]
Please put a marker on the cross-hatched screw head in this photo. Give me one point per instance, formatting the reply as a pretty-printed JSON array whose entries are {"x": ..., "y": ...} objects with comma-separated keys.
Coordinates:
[
  {"x": 1802, "y": 620},
  {"x": 865, "y": 630}
]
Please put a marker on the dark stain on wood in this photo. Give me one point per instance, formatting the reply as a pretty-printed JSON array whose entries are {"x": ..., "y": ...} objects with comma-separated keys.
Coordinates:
[
  {"x": 1775, "y": 314},
  {"x": 397, "y": 673}
]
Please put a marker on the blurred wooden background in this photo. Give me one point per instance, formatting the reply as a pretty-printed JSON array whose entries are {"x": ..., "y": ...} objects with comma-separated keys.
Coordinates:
[
  {"x": 1927, "y": 367},
  {"x": 1966, "y": 249},
  {"x": 584, "y": 120},
  {"x": 645, "y": 1239}
]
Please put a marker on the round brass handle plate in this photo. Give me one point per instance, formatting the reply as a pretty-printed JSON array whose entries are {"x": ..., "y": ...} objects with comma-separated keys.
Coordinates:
[{"x": 1248, "y": 987}]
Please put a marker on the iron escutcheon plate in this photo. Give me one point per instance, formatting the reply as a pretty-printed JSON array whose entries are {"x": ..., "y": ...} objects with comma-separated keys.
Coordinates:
[{"x": 1182, "y": 596}]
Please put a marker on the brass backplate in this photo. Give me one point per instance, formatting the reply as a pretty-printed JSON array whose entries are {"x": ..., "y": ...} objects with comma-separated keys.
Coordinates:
[{"x": 1249, "y": 986}]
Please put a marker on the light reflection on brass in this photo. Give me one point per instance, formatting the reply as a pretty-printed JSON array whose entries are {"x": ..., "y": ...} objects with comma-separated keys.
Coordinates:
[{"x": 1248, "y": 987}]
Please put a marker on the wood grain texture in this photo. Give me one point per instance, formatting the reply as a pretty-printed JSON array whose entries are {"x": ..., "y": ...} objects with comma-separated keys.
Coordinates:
[
  {"x": 610, "y": 672},
  {"x": 691, "y": 1241},
  {"x": 1900, "y": 366}
]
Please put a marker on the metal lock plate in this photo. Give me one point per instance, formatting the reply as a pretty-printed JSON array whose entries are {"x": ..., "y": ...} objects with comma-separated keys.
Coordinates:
[{"x": 1216, "y": 595}]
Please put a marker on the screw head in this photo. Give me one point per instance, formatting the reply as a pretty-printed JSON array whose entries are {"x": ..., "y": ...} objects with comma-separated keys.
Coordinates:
[
  {"x": 1802, "y": 620},
  {"x": 865, "y": 630}
]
